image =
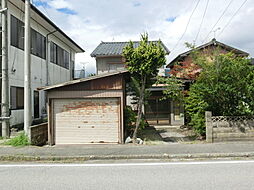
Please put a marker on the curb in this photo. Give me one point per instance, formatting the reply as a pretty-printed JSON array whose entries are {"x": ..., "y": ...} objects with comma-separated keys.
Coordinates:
[{"x": 128, "y": 157}]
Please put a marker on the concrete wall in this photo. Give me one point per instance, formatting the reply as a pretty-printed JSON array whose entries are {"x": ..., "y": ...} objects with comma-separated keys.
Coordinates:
[
  {"x": 57, "y": 74},
  {"x": 39, "y": 134},
  {"x": 229, "y": 128}
]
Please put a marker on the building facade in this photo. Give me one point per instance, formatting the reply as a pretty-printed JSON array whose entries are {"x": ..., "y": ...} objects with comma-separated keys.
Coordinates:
[
  {"x": 52, "y": 59},
  {"x": 109, "y": 58}
]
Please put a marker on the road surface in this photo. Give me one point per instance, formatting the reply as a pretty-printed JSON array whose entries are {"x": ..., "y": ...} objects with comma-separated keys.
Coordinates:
[{"x": 217, "y": 175}]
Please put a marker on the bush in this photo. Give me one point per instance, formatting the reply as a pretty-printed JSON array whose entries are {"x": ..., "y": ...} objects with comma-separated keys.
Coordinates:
[
  {"x": 225, "y": 87},
  {"x": 20, "y": 140},
  {"x": 130, "y": 121},
  {"x": 195, "y": 107}
]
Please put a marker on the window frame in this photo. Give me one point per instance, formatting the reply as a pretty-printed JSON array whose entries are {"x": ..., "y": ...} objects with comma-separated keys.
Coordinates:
[
  {"x": 18, "y": 33},
  {"x": 38, "y": 41},
  {"x": 59, "y": 56},
  {"x": 17, "y": 91}
]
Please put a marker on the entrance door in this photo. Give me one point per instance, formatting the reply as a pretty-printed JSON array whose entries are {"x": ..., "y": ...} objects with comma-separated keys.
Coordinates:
[{"x": 157, "y": 111}]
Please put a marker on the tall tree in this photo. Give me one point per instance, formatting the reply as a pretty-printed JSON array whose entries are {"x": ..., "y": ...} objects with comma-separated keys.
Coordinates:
[
  {"x": 225, "y": 87},
  {"x": 143, "y": 63}
]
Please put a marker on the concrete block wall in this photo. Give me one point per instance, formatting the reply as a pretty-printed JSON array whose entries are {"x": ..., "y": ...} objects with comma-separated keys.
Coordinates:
[
  {"x": 229, "y": 128},
  {"x": 39, "y": 134}
]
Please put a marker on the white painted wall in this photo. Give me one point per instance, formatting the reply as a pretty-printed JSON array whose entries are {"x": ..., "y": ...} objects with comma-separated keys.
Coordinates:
[
  {"x": 57, "y": 74},
  {"x": 109, "y": 64}
]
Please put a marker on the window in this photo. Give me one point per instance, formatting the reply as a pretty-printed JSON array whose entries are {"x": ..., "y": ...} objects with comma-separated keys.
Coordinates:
[
  {"x": 38, "y": 41},
  {"x": 17, "y": 97},
  {"x": 53, "y": 53},
  {"x": 59, "y": 56},
  {"x": 17, "y": 33},
  {"x": 66, "y": 59},
  {"x": 38, "y": 44}
]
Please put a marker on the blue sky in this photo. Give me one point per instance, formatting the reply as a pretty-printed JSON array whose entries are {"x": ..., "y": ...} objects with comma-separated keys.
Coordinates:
[{"x": 89, "y": 22}]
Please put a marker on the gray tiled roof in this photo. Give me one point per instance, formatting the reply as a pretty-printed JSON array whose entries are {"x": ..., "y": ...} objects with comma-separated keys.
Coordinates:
[{"x": 115, "y": 48}]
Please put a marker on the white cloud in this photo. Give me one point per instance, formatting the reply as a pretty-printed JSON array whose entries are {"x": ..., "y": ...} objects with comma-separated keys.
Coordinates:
[{"x": 122, "y": 20}]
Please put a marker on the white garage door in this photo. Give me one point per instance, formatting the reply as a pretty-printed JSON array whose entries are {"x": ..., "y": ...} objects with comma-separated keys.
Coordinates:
[{"x": 82, "y": 121}]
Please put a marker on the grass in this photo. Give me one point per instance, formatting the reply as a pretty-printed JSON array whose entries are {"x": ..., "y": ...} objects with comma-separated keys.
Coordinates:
[{"x": 20, "y": 140}]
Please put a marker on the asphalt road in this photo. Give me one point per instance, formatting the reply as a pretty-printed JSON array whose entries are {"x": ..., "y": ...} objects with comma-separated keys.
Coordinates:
[{"x": 217, "y": 175}]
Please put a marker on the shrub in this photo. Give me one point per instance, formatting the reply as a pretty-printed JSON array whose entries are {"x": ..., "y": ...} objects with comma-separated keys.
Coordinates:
[
  {"x": 225, "y": 86},
  {"x": 20, "y": 140},
  {"x": 130, "y": 121}
]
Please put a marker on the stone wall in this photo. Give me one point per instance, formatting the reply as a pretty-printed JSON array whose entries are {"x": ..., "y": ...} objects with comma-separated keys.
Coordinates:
[
  {"x": 39, "y": 134},
  {"x": 229, "y": 128}
]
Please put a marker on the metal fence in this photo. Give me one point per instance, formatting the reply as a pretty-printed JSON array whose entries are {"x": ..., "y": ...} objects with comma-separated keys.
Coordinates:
[{"x": 79, "y": 74}]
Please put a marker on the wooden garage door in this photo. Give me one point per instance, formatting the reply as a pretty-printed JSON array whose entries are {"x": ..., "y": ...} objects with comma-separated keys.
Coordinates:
[{"x": 81, "y": 121}]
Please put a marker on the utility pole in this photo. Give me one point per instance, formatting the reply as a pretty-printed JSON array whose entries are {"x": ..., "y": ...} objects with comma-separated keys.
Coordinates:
[
  {"x": 5, "y": 78},
  {"x": 27, "y": 71}
]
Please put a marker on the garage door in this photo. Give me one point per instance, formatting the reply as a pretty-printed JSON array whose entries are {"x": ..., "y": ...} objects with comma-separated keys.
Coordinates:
[{"x": 82, "y": 121}]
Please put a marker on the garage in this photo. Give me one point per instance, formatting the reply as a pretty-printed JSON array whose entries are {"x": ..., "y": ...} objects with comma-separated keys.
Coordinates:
[
  {"x": 89, "y": 120},
  {"x": 87, "y": 111}
]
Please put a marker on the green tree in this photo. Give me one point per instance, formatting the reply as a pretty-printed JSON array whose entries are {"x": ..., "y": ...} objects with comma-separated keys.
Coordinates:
[
  {"x": 173, "y": 88},
  {"x": 225, "y": 87},
  {"x": 143, "y": 63}
]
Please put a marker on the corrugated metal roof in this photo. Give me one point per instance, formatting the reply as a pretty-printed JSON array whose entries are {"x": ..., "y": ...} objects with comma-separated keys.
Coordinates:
[
  {"x": 82, "y": 80},
  {"x": 116, "y": 48}
]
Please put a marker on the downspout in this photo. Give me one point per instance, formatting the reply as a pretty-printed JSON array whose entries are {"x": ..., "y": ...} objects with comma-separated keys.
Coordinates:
[
  {"x": 47, "y": 56},
  {"x": 47, "y": 66}
]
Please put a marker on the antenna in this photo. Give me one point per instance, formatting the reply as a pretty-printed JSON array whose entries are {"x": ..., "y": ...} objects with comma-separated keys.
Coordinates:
[{"x": 214, "y": 32}]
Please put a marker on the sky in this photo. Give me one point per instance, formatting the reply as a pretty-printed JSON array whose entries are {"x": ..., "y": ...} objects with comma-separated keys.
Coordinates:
[{"x": 174, "y": 22}]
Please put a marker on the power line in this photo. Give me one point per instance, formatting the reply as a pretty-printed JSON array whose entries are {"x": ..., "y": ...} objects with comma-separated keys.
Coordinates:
[
  {"x": 232, "y": 17},
  {"x": 207, "y": 2},
  {"x": 186, "y": 26},
  {"x": 43, "y": 6},
  {"x": 219, "y": 19}
]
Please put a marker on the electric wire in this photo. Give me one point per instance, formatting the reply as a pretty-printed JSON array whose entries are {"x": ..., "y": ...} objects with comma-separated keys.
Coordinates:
[
  {"x": 230, "y": 20},
  {"x": 201, "y": 23},
  {"x": 223, "y": 13},
  {"x": 185, "y": 30}
]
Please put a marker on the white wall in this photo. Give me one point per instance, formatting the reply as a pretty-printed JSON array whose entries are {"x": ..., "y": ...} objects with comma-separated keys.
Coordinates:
[
  {"x": 57, "y": 74},
  {"x": 108, "y": 64}
]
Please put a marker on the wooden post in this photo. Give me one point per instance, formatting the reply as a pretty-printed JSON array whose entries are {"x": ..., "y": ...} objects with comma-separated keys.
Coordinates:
[
  {"x": 209, "y": 126},
  {"x": 50, "y": 140}
]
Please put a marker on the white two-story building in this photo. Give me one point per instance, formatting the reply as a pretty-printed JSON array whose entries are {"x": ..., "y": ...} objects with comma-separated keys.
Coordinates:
[{"x": 52, "y": 58}]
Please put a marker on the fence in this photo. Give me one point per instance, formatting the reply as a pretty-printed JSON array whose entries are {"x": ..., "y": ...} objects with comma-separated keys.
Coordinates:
[
  {"x": 229, "y": 128},
  {"x": 39, "y": 134}
]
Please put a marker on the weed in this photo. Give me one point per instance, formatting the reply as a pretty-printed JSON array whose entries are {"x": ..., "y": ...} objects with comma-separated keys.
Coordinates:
[{"x": 20, "y": 140}]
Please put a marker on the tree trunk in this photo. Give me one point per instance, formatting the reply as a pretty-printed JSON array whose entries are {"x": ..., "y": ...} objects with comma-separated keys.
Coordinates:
[{"x": 140, "y": 107}]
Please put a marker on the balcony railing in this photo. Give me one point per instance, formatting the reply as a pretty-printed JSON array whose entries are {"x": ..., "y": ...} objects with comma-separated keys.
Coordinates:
[{"x": 79, "y": 74}]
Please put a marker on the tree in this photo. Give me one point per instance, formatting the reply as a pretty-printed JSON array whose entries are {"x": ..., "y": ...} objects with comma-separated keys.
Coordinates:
[
  {"x": 173, "y": 88},
  {"x": 225, "y": 86},
  {"x": 143, "y": 63}
]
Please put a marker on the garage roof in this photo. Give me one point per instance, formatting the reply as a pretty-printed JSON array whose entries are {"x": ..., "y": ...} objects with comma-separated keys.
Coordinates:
[{"x": 46, "y": 88}]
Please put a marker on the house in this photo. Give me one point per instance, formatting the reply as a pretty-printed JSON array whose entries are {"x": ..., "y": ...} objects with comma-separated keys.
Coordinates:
[
  {"x": 183, "y": 68},
  {"x": 109, "y": 58},
  {"x": 87, "y": 110},
  {"x": 208, "y": 50},
  {"x": 52, "y": 59}
]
